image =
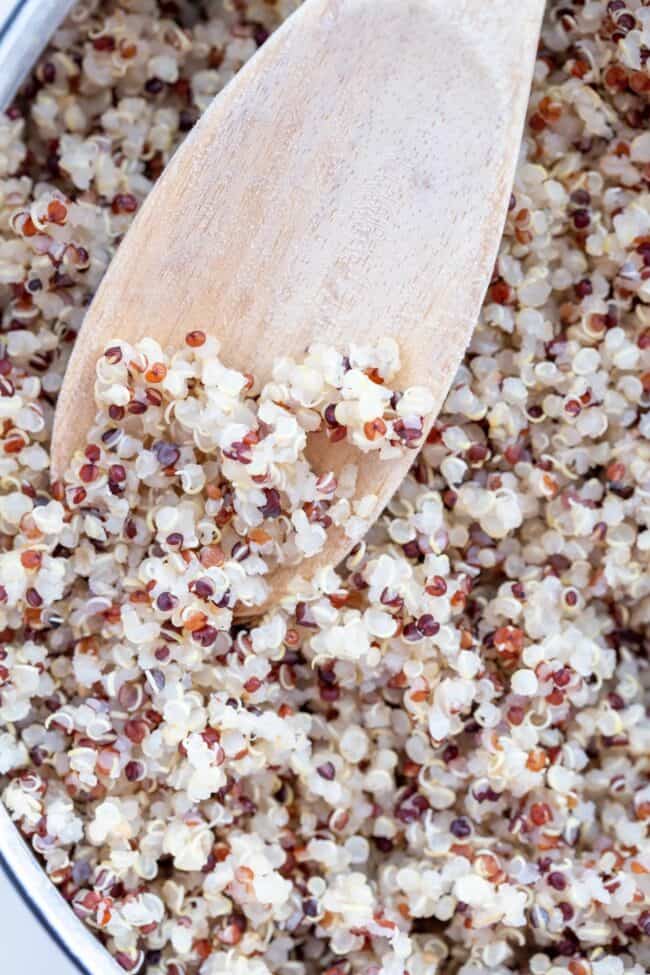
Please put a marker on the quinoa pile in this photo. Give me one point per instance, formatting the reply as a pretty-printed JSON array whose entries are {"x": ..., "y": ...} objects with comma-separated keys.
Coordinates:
[
  {"x": 218, "y": 467},
  {"x": 432, "y": 760}
]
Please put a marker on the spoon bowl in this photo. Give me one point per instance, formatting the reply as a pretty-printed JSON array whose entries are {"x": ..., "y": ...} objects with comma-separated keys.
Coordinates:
[{"x": 352, "y": 181}]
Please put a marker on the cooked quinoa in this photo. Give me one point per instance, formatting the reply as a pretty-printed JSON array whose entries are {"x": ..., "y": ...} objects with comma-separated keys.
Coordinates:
[
  {"x": 209, "y": 460},
  {"x": 433, "y": 760}
]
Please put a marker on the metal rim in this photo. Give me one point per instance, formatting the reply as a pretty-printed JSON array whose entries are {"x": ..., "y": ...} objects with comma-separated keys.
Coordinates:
[
  {"x": 36, "y": 890},
  {"x": 25, "y": 31},
  {"x": 40, "y": 916},
  {"x": 11, "y": 19}
]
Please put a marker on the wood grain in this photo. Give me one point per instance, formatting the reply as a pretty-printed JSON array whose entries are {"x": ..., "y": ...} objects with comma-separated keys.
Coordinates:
[{"x": 351, "y": 181}]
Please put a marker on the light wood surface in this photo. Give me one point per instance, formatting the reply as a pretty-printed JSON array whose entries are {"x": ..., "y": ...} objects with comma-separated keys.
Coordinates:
[{"x": 352, "y": 181}]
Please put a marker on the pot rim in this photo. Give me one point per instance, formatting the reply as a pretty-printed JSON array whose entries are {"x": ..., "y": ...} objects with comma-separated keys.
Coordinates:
[
  {"x": 55, "y": 915},
  {"x": 25, "y": 28}
]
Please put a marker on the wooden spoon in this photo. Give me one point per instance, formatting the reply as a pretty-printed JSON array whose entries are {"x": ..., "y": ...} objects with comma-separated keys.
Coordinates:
[{"x": 352, "y": 181}]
